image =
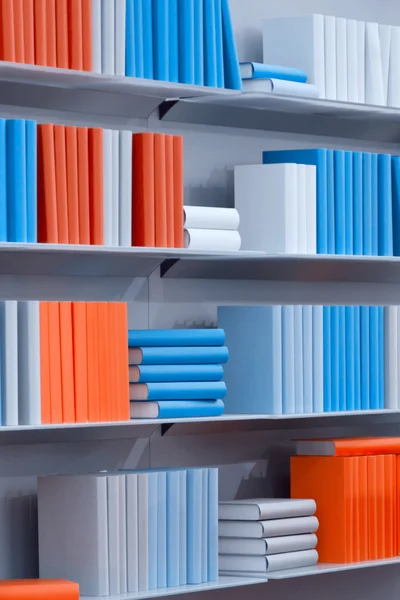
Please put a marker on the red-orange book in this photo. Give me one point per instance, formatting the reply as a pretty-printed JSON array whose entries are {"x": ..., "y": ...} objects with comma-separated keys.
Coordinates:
[
  {"x": 363, "y": 507},
  {"x": 62, "y": 34},
  {"x": 40, "y": 20},
  {"x": 143, "y": 204},
  {"x": 7, "y": 30},
  {"x": 67, "y": 362},
  {"x": 72, "y": 184},
  {"x": 349, "y": 446},
  {"x": 75, "y": 34},
  {"x": 93, "y": 362},
  {"x": 178, "y": 191},
  {"x": 61, "y": 183},
  {"x": 123, "y": 362},
  {"x": 51, "y": 46},
  {"x": 47, "y": 195},
  {"x": 373, "y": 551},
  {"x": 80, "y": 361},
  {"x": 96, "y": 195},
  {"x": 169, "y": 164},
  {"x": 19, "y": 38},
  {"x": 87, "y": 36},
  {"x": 29, "y": 32},
  {"x": 105, "y": 376},
  {"x": 38, "y": 589},
  {"x": 160, "y": 190},
  {"x": 83, "y": 185}
]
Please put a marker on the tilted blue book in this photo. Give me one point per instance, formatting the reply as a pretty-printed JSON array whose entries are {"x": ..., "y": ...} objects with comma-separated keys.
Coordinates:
[
  {"x": 173, "y": 52},
  {"x": 138, "y": 38},
  {"x": 182, "y": 528},
  {"x": 16, "y": 181},
  {"x": 147, "y": 36},
  {"x": 153, "y": 533},
  {"x": 187, "y": 28},
  {"x": 212, "y": 524},
  {"x": 180, "y": 355},
  {"x": 198, "y": 42},
  {"x": 194, "y": 524},
  {"x": 162, "y": 530},
  {"x": 396, "y": 204},
  {"x": 31, "y": 179},
  {"x": 176, "y": 409},
  {"x": 160, "y": 373},
  {"x": 175, "y": 337},
  {"x": 172, "y": 528},
  {"x": 204, "y": 527},
  {"x": 219, "y": 48},
  {"x": 374, "y": 310},
  {"x": 178, "y": 390},
  {"x": 130, "y": 54},
  {"x": 231, "y": 61},
  {"x": 349, "y": 310},
  {"x": 161, "y": 39},
  {"x": 210, "y": 45},
  {"x": 385, "y": 213},
  {"x": 254, "y": 70},
  {"x": 3, "y": 182}
]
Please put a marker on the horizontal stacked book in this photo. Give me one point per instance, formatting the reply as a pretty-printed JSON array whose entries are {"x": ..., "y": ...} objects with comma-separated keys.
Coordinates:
[
  {"x": 285, "y": 81},
  {"x": 38, "y": 589},
  {"x": 266, "y": 534},
  {"x": 176, "y": 373},
  {"x": 211, "y": 228},
  {"x": 129, "y": 531}
]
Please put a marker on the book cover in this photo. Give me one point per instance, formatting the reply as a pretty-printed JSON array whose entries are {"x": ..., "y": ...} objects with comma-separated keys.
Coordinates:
[
  {"x": 231, "y": 62},
  {"x": 75, "y": 34},
  {"x": 55, "y": 363},
  {"x": 301, "y": 209},
  {"x": 29, "y": 390},
  {"x": 182, "y": 527},
  {"x": 29, "y": 32},
  {"x": 47, "y": 198},
  {"x": 175, "y": 337},
  {"x": 178, "y": 190},
  {"x": 204, "y": 526},
  {"x": 147, "y": 41},
  {"x": 385, "y": 33},
  {"x": 113, "y": 522},
  {"x": 143, "y": 531},
  {"x": 330, "y": 57},
  {"x": 169, "y": 186},
  {"x": 267, "y": 546},
  {"x": 96, "y": 186},
  {"x": 108, "y": 37},
  {"x": 125, "y": 188},
  {"x": 87, "y": 36},
  {"x": 352, "y": 60},
  {"x": 178, "y": 355},
  {"x": 61, "y": 183},
  {"x": 190, "y": 390},
  {"x": 341, "y": 59},
  {"x": 96, "y": 36},
  {"x": 115, "y": 162},
  {"x": 80, "y": 349},
  {"x": 45, "y": 589},
  {"x": 210, "y": 40},
  {"x": 307, "y": 359},
  {"x": 174, "y": 409},
  {"x": 194, "y": 524},
  {"x": 143, "y": 207},
  {"x": 130, "y": 50},
  {"x": 83, "y": 185},
  {"x": 393, "y": 98},
  {"x": 45, "y": 409},
  {"x": 72, "y": 184},
  {"x": 120, "y": 37},
  {"x": 67, "y": 362},
  {"x": 161, "y": 47},
  {"x": 93, "y": 362},
  {"x": 298, "y": 359},
  {"x": 107, "y": 162},
  {"x": 160, "y": 373},
  {"x": 16, "y": 181},
  {"x": 198, "y": 44},
  {"x": 51, "y": 46},
  {"x": 173, "y": 528},
  {"x": 132, "y": 526},
  {"x": 270, "y": 528},
  {"x": 160, "y": 191},
  {"x": 153, "y": 529},
  {"x": 40, "y": 21},
  {"x": 263, "y": 509},
  {"x": 162, "y": 530},
  {"x": 276, "y": 562}
]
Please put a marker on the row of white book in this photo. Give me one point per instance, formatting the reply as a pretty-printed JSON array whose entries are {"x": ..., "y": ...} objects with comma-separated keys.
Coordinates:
[
  {"x": 347, "y": 60},
  {"x": 266, "y": 534},
  {"x": 127, "y": 532},
  {"x": 211, "y": 228}
]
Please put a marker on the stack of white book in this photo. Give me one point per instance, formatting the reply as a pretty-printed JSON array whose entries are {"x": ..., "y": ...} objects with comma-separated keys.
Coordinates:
[
  {"x": 266, "y": 534},
  {"x": 211, "y": 228}
]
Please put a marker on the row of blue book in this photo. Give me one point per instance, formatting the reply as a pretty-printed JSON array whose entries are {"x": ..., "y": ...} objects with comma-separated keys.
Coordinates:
[
  {"x": 176, "y": 373},
  {"x": 186, "y": 41},
  {"x": 123, "y": 532}
]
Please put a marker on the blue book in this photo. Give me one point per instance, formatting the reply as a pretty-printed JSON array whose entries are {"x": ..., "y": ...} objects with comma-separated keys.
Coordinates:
[
  {"x": 3, "y": 182},
  {"x": 357, "y": 357},
  {"x": 365, "y": 356},
  {"x": 153, "y": 534},
  {"x": 187, "y": 29},
  {"x": 194, "y": 524},
  {"x": 231, "y": 61},
  {"x": 210, "y": 47},
  {"x": 138, "y": 37},
  {"x": 254, "y": 70},
  {"x": 367, "y": 204},
  {"x": 16, "y": 181},
  {"x": 348, "y": 340},
  {"x": 147, "y": 37},
  {"x": 130, "y": 58},
  {"x": 396, "y": 204},
  {"x": 317, "y": 157},
  {"x": 374, "y": 310},
  {"x": 381, "y": 345},
  {"x": 176, "y": 409},
  {"x": 173, "y": 52},
  {"x": 348, "y": 202},
  {"x": 358, "y": 203},
  {"x": 180, "y": 355},
  {"x": 338, "y": 312},
  {"x": 198, "y": 42},
  {"x": 162, "y": 529},
  {"x": 339, "y": 200},
  {"x": 335, "y": 358},
  {"x": 212, "y": 524},
  {"x": 330, "y": 202},
  {"x": 343, "y": 341},
  {"x": 160, "y": 373},
  {"x": 186, "y": 390},
  {"x": 327, "y": 359},
  {"x": 219, "y": 48},
  {"x": 175, "y": 337},
  {"x": 204, "y": 526},
  {"x": 349, "y": 351},
  {"x": 161, "y": 39},
  {"x": 172, "y": 528},
  {"x": 385, "y": 214},
  {"x": 288, "y": 360},
  {"x": 31, "y": 180},
  {"x": 333, "y": 311},
  {"x": 374, "y": 205},
  {"x": 182, "y": 528}
]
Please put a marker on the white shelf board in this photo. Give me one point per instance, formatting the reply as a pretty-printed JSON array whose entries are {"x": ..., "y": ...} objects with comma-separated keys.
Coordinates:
[{"x": 323, "y": 568}]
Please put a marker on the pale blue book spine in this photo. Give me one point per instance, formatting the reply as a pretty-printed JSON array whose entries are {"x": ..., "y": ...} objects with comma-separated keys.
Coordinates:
[
  {"x": 31, "y": 179},
  {"x": 173, "y": 49},
  {"x": 288, "y": 361},
  {"x": 381, "y": 342},
  {"x": 231, "y": 62},
  {"x": 162, "y": 530},
  {"x": 173, "y": 528},
  {"x": 365, "y": 310},
  {"x": 339, "y": 316},
  {"x": 183, "y": 527},
  {"x": 198, "y": 42},
  {"x": 327, "y": 359},
  {"x": 212, "y": 524},
  {"x": 335, "y": 358},
  {"x": 194, "y": 524},
  {"x": 333, "y": 310},
  {"x": 349, "y": 347},
  {"x": 147, "y": 19},
  {"x": 16, "y": 181},
  {"x": 130, "y": 59},
  {"x": 138, "y": 37},
  {"x": 153, "y": 534},
  {"x": 357, "y": 357},
  {"x": 374, "y": 310},
  {"x": 219, "y": 49},
  {"x": 187, "y": 29},
  {"x": 298, "y": 360},
  {"x": 357, "y": 250},
  {"x": 3, "y": 182},
  {"x": 204, "y": 526},
  {"x": 210, "y": 50}
]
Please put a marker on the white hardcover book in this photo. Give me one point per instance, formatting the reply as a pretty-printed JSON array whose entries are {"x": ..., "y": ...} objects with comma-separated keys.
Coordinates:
[
  {"x": 108, "y": 37},
  {"x": 108, "y": 186},
  {"x": 341, "y": 59},
  {"x": 209, "y": 217},
  {"x": 308, "y": 359},
  {"x": 391, "y": 357},
  {"x": 74, "y": 509},
  {"x": 153, "y": 528},
  {"x": 125, "y": 188},
  {"x": 288, "y": 361},
  {"x": 352, "y": 62},
  {"x": 311, "y": 209},
  {"x": 182, "y": 527},
  {"x": 132, "y": 540},
  {"x": 330, "y": 57},
  {"x": 143, "y": 530},
  {"x": 385, "y": 33},
  {"x": 113, "y": 533},
  {"x": 123, "y": 585},
  {"x": 9, "y": 362},
  {"x": 281, "y": 87},
  {"x": 265, "y": 529},
  {"x": 262, "y": 509},
  {"x": 96, "y": 36},
  {"x": 212, "y": 239},
  {"x": 301, "y": 209},
  {"x": 276, "y": 562},
  {"x": 318, "y": 358},
  {"x": 361, "y": 60},
  {"x": 204, "y": 528},
  {"x": 267, "y": 546},
  {"x": 298, "y": 359},
  {"x": 162, "y": 530},
  {"x": 373, "y": 66},
  {"x": 266, "y": 199},
  {"x": 29, "y": 408},
  {"x": 297, "y": 42},
  {"x": 394, "y": 79},
  {"x": 120, "y": 34},
  {"x": 115, "y": 188}
]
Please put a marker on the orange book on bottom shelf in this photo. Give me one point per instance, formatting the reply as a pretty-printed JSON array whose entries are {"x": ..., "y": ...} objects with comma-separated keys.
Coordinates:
[{"x": 39, "y": 589}]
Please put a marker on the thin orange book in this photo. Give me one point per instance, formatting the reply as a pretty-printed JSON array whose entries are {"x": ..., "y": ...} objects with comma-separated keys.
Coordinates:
[
  {"x": 75, "y": 34},
  {"x": 19, "y": 38},
  {"x": 83, "y": 185},
  {"x": 356, "y": 510},
  {"x": 45, "y": 364},
  {"x": 160, "y": 190},
  {"x": 47, "y": 195},
  {"x": 169, "y": 164},
  {"x": 55, "y": 363},
  {"x": 124, "y": 412},
  {"x": 178, "y": 191},
  {"x": 143, "y": 203},
  {"x": 349, "y": 446},
  {"x": 29, "y": 32},
  {"x": 51, "y": 45},
  {"x": 61, "y": 183},
  {"x": 38, "y": 589},
  {"x": 363, "y": 507},
  {"x": 389, "y": 504},
  {"x": 79, "y": 339},
  {"x": 67, "y": 362},
  {"x": 40, "y": 20},
  {"x": 373, "y": 520},
  {"x": 93, "y": 362},
  {"x": 114, "y": 356},
  {"x": 72, "y": 184},
  {"x": 7, "y": 31},
  {"x": 106, "y": 391},
  {"x": 87, "y": 36},
  {"x": 96, "y": 187},
  {"x": 62, "y": 34}
]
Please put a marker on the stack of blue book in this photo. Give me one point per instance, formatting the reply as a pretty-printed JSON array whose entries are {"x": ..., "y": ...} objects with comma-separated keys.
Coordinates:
[
  {"x": 186, "y": 41},
  {"x": 176, "y": 373}
]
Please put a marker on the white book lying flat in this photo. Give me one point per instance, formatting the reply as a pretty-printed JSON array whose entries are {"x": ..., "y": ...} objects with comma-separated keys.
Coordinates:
[
  {"x": 391, "y": 357},
  {"x": 352, "y": 62},
  {"x": 281, "y": 87},
  {"x": 341, "y": 59},
  {"x": 261, "y": 509},
  {"x": 361, "y": 60},
  {"x": 264, "y": 546},
  {"x": 276, "y": 562},
  {"x": 29, "y": 408},
  {"x": 373, "y": 66},
  {"x": 208, "y": 217},
  {"x": 272, "y": 528},
  {"x": 9, "y": 362},
  {"x": 394, "y": 79},
  {"x": 385, "y": 34},
  {"x": 212, "y": 239},
  {"x": 330, "y": 57}
]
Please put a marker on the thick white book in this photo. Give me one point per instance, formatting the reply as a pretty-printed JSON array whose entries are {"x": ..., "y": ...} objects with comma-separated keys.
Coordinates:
[
  {"x": 297, "y": 42},
  {"x": 125, "y": 188},
  {"x": 266, "y": 199},
  {"x": 276, "y": 562},
  {"x": 271, "y": 528},
  {"x": 341, "y": 59},
  {"x": 330, "y": 57},
  {"x": 394, "y": 79},
  {"x": 143, "y": 530},
  {"x": 361, "y": 60},
  {"x": 262, "y": 509},
  {"x": 210, "y": 217},
  {"x": 307, "y": 359},
  {"x": 373, "y": 66},
  {"x": 123, "y": 585},
  {"x": 204, "y": 528},
  {"x": 115, "y": 187},
  {"x": 318, "y": 358},
  {"x": 281, "y": 87},
  {"x": 212, "y": 239},
  {"x": 108, "y": 37},
  {"x": 391, "y": 357},
  {"x": 120, "y": 35},
  {"x": 96, "y": 36},
  {"x": 113, "y": 533},
  {"x": 9, "y": 362},
  {"x": 108, "y": 186},
  {"x": 288, "y": 361},
  {"x": 132, "y": 539},
  {"x": 29, "y": 408},
  {"x": 301, "y": 209},
  {"x": 385, "y": 34},
  {"x": 182, "y": 527},
  {"x": 311, "y": 209},
  {"x": 74, "y": 509},
  {"x": 267, "y": 546},
  {"x": 352, "y": 62},
  {"x": 298, "y": 360}
]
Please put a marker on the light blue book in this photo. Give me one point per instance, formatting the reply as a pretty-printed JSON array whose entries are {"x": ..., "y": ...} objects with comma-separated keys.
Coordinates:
[
  {"x": 339, "y": 201},
  {"x": 3, "y": 182},
  {"x": 210, "y": 48},
  {"x": 194, "y": 524},
  {"x": 182, "y": 528},
  {"x": 381, "y": 344},
  {"x": 160, "y": 373},
  {"x": 254, "y": 70},
  {"x": 175, "y": 337},
  {"x": 365, "y": 356},
  {"x": 298, "y": 360},
  {"x": 130, "y": 58},
  {"x": 153, "y": 533},
  {"x": 343, "y": 341},
  {"x": 396, "y": 204},
  {"x": 181, "y": 355},
  {"x": 231, "y": 62},
  {"x": 385, "y": 213},
  {"x": 219, "y": 48},
  {"x": 332, "y": 311},
  {"x": 198, "y": 42},
  {"x": 367, "y": 203},
  {"x": 327, "y": 358},
  {"x": 138, "y": 37},
  {"x": 147, "y": 20},
  {"x": 330, "y": 202},
  {"x": 187, "y": 30},
  {"x": 173, "y": 52},
  {"x": 172, "y": 528},
  {"x": 374, "y": 310},
  {"x": 365, "y": 310},
  {"x": 307, "y": 359},
  {"x": 318, "y": 358},
  {"x": 178, "y": 390},
  {"x": 348, "y": 202},
  {"x": 161, "y": 39},
  {"x": 335, "y": 358},
  {"x": 176, "y": 409},
  {"x": 212, "y": 524},
  {"x": 204, "y": 527},
  {"x": 31, "y": 180},
  {"x": 338, "y": 312},
  {"x": 350, "y": 358},
  {"x": 357, "y": 250},
  {"x": 288, "y": 361},
  {"x": 349, "y": 311},
  {"x": 16, "y": 181},
  {"x": 357, "y": 357},
  {"x": 162, "y": 530},
  {"x": 253, "y": 374}
]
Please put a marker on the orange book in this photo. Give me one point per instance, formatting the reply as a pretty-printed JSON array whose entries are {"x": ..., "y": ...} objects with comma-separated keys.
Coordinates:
[
  {"x": 87, "y": 35},
  {"x": 396, "y": 480},
  {"x": 356, "y": 510},
  {"x": 96, "y": 192},
  {"x": 389, "y": 504},
  {"x": 72, "y": 184},
  {"x": 105, "y": 391},
  {"x": 7, "y": 30},
  {"x": 45, "y": 364},
  {"x": 67, "y": 362},
  {"x": 62, "y": 34},
  {"x": 40, "y": 21},
  {"x": 372, "y": 493},
  {"x": 93, "y": 362},
  {"x": 47, "y": 196},
  {"x": 29, "y": 32},
  {"x": 114, "y": 360},
  {"x": 178, "y": 191},
  {"x": 83, "y": 185},
  {"x": 61, "y": 183},
  {"x": 55, "y": 363},
  {"x": 362, "y": 446},
  {"x": 169, "y": 163},
  {"x": 363, "y": 503},
  {"x": 80, "y": 361},
  {"x": 160, "y": 190},
  {"x": 123, "y": 362},
  {"x": 38, "y": 589},
  {"x": 51, "y": 46},
  {"x": 19, "y": 31},
  {"x": 143, "y": 207},
  {"x": 75, "y": 34},
  {"x": 381, "y": 485}
]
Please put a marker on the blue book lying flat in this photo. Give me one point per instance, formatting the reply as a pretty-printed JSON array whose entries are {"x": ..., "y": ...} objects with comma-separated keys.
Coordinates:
[
  {"x": 231, "y": 62},
  {"x": 253, "y": 70},
  {"x": 176, "y": 409},
  {"x": 181, "y": 355},
  {"x": 16, "y": 181},
  {"x": 188, "y": 390},
  {"x": 160, "y": 373},
  {"x": 175, "y": 337}
]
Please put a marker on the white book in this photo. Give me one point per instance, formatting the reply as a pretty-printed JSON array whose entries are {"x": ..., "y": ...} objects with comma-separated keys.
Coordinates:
[
  {"x": 385, "y": 34},
  {"x": 301, "y": 209},
  {"x": 212, "y": 239},
  {"x": 115, "y": 188},
  {"x": 122, "y": 536},
  {"x": 391, "y": 357},
  {"x": 266, "y": 199},
  {"x": 153, "y": 528},
  {"x": 288, "y": 360},
  {"x": 267, "y": 546},
  {"x": 298, "y": 359},
  {"x": 132, "y": 540},
  {"x": 341, "y": 59},
  {"x": 276, "y": 562},
  {"x": 318, "y": 358},
  {"x": 96, "y": 36},
  {"x": 361, "y": 60},
  {"x": 330, "y": 57},
  {"x": 120, "y": 34},
  {"x": 143, "y": 530},
  {"x": 9, "y": 362},
  {"x": 311, "y": 209},
  {"x": 281, "y": 87},
  {"x": 29, "y": 408},
  {"x": 74, "y": 509},
  {"x": 262, "y": 509},
  {"x": 307, "y": 359},
  {"x": 265, "y": 529},
  {"x": 182, "y": 528},
  {"x": 373, "y": 66},
  {"x": 108, "y": 186},
  {"x": 297, "y": 42},
  {"x": 173, "y": 534},
  {"x": 125, "y": 188},
  {"x": 210, "y": 217},
  {"x": 394, "y": 79},
  {"x": 352, "y": 62},
  {"x": 113, "y": 533},
  {"x": 204, "y": 528},
  {"x": 108, "y": 37},
  {"x": 162, "y": 530}
]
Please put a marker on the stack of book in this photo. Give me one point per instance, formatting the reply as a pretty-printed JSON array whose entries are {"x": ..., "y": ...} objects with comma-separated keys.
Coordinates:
[
  {"x": 176, "y": 373},
  {"x": 258, "y": 77},
  {"x": 40, "y": 589},
  {"x": 211, "y": 228},
  {"x": 266, "y": 534},
  {"x": 127, "y": 532}
]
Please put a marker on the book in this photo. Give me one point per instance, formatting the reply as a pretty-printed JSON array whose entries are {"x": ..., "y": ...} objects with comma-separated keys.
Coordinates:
[
  {"x": 173, "y": 41},
  {"x": 374, "y": 92},
  {"x": 113, "y": 533},
  {"x": 361, "y": 60},
  {"x": 349, "y": 446},
  {"x": 311, "y": 209},
  {"x": 175, "y": 337},
  {"x": 341, "y": 59},
  {"x": 40, "y": 34},
  {"x": 67, "y": 362},
  {"x": 169, "y": 182},
  {"x": 265, "y": 529},
  {"x": 162, "y": 529},
  {"x": 298, "y": 359},
  {"x": 132, "y": 540},
  {"x": 120, "y": 37},
  {"x": 194, "y": 524},
  {"x": 123, "y": 566},
  {"x": 108, "y": 37},
  {"x": 288, "y": 361},
  {"x": 83, "y": 185},
  {"x": 16, "y": 181},
  {"x": 385, "y": 33},
  {"x": 219, "y": 47},
  {"x": 352, "y": 60},
  {"x": 178, "y": 355},
  {"x": 61, "y": 183},
  {"x": 87, "y": 35},
  {"x": 143, "y": 207},
  {"x": 307, "y": 351},
  {"x": 62, "y": 34},
  {"x": 107, "y": 160},
  {"x": 144, "y": 43},
  {"x": 212, "y": 532},
  {"x": 3, "y": 182},
  {"x": 80, "y": 349},
  {"x": 276, "y": 562},
  {"x": 96, "y": 36},
  {"x": 143, "y": 530},
  {"x": 267, "y": 546},
  {"x": 318, "y": 358},
  {"x": 204, "y": 526},
  {"x": 106, "y": 379},
  {"x": 281, "y": 87},
  {"x": 115, "y": 162},
  {"x": 385, "y": 211},
  {"x": 159, "y": 373},
  {"x": 55, "y": 363},
  {"x": 76, "y": 34},
  {"x": 161, "y": 39},
  {"x": 39, "y": 589},
  {"x": 71, "y": 140},
  {"x": 173, "y": 517},
  {"x": 207, "y": 217},
  {"x": 175, "y": 409},
  {"x": 190, "y": 390},
  {"x": 45, "y": 408},
  {"x": 391, "y": 357},
  {"x": 96, "y": 186},
  {"x": 254, "y": 70},
  {"x": 212, "y": 239},
  {"x": 160, "y": 191},
  {"x": 330, "y": 57},
  {"x": 393, "y": 97},
  {"x": 153, "y": 529},
  {"x": 29, "y": 32},
  {"x": 198, "y": 40},
  {"x": 29, "y": 363},
  {"x": 9, "y": 362},
  {"x": 261, "y": 509},
  {"x": 125, "y": 188},
  {"x": 231, "y": 62},
  {"x": 130, "y": 54},
  {"x": 210, "y": 49},
  {"x": 178, "y": 190},
  {"x": 51, "y": 48}
]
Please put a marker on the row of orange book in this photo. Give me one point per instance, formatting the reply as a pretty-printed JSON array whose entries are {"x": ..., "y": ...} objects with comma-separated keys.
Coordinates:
[
  {"x": 38, "y": 589},
  {"x": 356, "y": 486}
]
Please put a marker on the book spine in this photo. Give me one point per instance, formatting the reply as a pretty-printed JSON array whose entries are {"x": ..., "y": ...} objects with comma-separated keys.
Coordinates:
[
  {"x": 361, "y": 60},
  {"x": 51, "y": 33},
  {"x": 198, "y": 42},
  {"x": 160, "y": 191},
  {"x": 106, "y": 379},
  {"x": 311, "y": 207},
  {"x": 391, "y": 357},
  {"x": 143, "y": 531},
  {"x": 173, "y": 528},
  {"x": 173, "y": 44},
  {"x": 327, "y": 337},
  {"x": 87, "y": 36},
  {"x": 113, "y": 533},
  {"x": 125, "y": 188},
  {"x": 153, "y": 529},
  {"x": 83, "y": 185},
  {"x": 108, "y": 37},
  {"x": 45, "y": 408},
  {"x": 374, "y": 92},
  {"x": 130, "y": 57},
  {"x": 29, "y": 363},
  {"x": 67, "y": 363},
  {"x": 204, "y": 526},
  {"x": 341, "y": 59},
  {"x": 75, "y": 34},
  {"x": 55, "y": 363},
  {"x": 178, "y": 190},
  {"x": 212, "y": 524},
  {"x": 162, "y": 531},
  {"x": 80, "y": 349},
  {"x": 175, "y": 337},
  {"x": 298, "y": 360},
  {"x": 122, "y": 312},
  {"x": 210, "y": 38},
  {"x": 219, "y": 49},
  {"x": 107, "y": 186},
  {"x": 161, "y": 39},
  {"x": 93, "y": 361},
  {"x": 231, "y": 62},
  {"x": 115, "y": 187},
  {"x": 96, "y": 37},
  {"x": 19, "y": 31},
  {"x": 143, "y": 208},
  {"x": 182, "y": 528},
  {"x": 138, "y": 41},
  {"x": 352, "y": 60},
  {"x": 318, "y": 359},
  {"x": 123, "y": 567},
  {"x": 31, "y": 179},
  {"x": 169, "y": 178},
  {"x": 72, "y": 184},
  {"x": 29, "y": 32},
  {"x": 307, "y": 359},
  {"x": 194, "y": 525},
  {"x": 288, "y": 356},
  {"x": 276, "y": 375},
  {"x": 47, "y": 199},
  {"x": 132, "y": 531},
  {"x": 61, "y": 183},
  {"x": 3, "y": 182},
  {"x": 394, "y": 84},
  {"x": 148, "y": 42},
  {"x": 40, "y": 34},
  {"x": 120, "y": 37},
  {"x": 16, "y": 181},
  {"x": 96, "y": 186},
  {"x": 301, "y": 209},
  {"x": 190, "y": 69},
  {"x": 385, "y": 214}
]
